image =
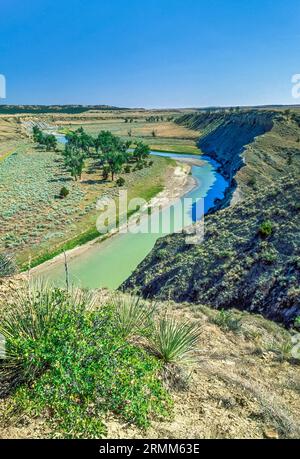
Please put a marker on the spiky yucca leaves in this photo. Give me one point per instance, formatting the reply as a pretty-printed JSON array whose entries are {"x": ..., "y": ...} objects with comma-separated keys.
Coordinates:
[
  {"x": 174, "y": 342},
  {"x": 133, "y": 315},
  {"x": 30, "y": 315}
]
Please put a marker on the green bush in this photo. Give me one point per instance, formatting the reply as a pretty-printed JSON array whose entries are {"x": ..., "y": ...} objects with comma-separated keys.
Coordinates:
[
  {"x": 162, "y": 254},
  {"x": 105, "y": 172},
  {"x": 269, "y": 255},
  {"x": 227, "y": 321},
  {"x": 71, "y": 364},
  {"x": 120, "y": 181},
  {"x": 64, "y": 192},
  {"x": 127, "y": 169},
  {"x": 266, "y": 229}
]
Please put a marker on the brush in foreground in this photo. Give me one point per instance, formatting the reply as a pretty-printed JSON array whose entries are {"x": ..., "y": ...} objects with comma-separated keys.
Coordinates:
[
  {"x": 66, "y": 361},
  {"x": 174, "y": 342}
]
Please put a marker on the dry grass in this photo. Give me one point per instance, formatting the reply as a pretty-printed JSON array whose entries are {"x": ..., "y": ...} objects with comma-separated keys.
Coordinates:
[{"x": 10, "y": 135}]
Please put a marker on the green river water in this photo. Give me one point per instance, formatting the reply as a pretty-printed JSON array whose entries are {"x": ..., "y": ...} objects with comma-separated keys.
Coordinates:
[{"x": 109, "y": 263}]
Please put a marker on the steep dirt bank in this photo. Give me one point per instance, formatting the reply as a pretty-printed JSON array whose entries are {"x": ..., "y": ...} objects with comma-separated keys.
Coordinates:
[
  {"x": 253, "y": 147},
  {"x": 249, "y": 258}
]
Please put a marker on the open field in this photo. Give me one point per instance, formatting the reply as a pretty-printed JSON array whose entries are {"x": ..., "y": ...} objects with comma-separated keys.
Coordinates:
[
  {"x": 36, "y": 223},
  {"x": 161, "y": 134},
  {"x": 10, "y": 134}
]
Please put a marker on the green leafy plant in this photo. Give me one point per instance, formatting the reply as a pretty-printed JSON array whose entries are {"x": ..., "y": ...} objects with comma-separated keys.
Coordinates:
[
  {"x": 64, "y": 192},
  {"x": 227, "y": 321},
  {"x": 174, "y": 342},
  {"x": 121, "y": 181},
  {"x": 266, "y": 229},
  {"x": 68, "y": 362}
]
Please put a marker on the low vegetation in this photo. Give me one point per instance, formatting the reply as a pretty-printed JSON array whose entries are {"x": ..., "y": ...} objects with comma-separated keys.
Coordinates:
[
  {"x": 7, "y": 265},
  {"x": 86, "y": 365},
  {"x": 72, "y": 362}
]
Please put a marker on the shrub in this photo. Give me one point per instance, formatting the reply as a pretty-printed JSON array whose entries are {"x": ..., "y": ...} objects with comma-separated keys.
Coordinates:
[
  {"x": 252, "y": 182},
  {"x": 120, "y": 181},
  {"x": 76, "y": 364},
  {"x": 162, "y": 254},
  {"x": 174, "y": 342},
  {"x": 64, "y": 192},
  {"x": 105, "y": 172},
  {"x": 227, "y": 321},
  {"x": 127, "y": 169},
  {"x": 7, "y": 266},
  {"x": 266, "y": 229},
  {"x": 269, "y": 255},
  {"x": 297, "y": 322}
]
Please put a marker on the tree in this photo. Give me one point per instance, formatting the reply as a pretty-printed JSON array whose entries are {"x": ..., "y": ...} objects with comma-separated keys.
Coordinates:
[
  {"x": 81, "y": 140},
  {"x": 74, "y": 160},
  {"x": 37, "y": 134},
  {"x": 115, "y": 161},
  {"x": 141, "y": 151},
  {"x": 49, "y": 141}
]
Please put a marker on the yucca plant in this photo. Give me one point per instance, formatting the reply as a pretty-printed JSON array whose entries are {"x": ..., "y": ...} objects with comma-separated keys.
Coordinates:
[
  {"x": 133, "y": 315},
  {"x": 174, "y": 342}
]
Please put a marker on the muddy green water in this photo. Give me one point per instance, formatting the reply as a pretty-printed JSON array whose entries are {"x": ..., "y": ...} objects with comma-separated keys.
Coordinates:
[{"x": 109, "y": 263}]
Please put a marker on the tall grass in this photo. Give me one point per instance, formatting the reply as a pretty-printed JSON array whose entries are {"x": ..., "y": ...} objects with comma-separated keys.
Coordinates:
[
  {"x": 175, "y": 342},
  {"x": 133, "y": 315}
]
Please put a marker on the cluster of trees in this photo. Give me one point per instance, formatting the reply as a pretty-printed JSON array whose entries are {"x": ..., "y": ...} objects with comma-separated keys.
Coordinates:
[
  {"x": 110, "y": 151},
  {"x": 49, "y": 141},
  {"x": 154, "y": 119}
]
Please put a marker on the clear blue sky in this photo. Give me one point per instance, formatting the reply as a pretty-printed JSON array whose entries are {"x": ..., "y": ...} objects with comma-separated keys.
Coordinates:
[{"x": 154, "y": 53}]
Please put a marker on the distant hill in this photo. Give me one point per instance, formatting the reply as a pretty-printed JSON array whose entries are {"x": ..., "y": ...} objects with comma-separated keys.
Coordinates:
[{"x": 38, "y": 109}]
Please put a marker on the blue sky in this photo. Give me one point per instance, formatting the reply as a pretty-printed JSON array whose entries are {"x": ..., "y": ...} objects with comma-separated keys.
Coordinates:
[{"x": 154, "y": 53}]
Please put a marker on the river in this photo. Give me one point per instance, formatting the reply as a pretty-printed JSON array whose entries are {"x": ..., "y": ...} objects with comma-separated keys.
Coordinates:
[{"x": 109, "y": 263}]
